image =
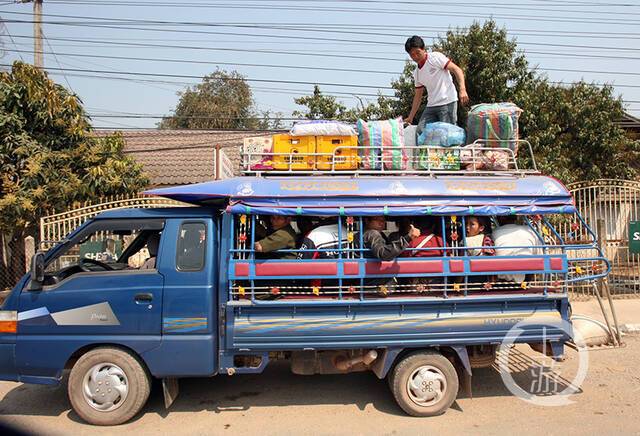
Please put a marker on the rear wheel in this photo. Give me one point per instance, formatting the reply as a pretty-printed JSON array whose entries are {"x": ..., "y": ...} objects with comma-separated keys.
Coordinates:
[
  {"x": 108, "y": 386},
  {"x": 424, "y": 383}
]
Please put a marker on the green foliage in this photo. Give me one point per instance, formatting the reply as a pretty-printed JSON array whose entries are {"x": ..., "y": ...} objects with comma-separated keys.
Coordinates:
[
  {"x": 320, "y": 107},
  {"x": 326, "y": 107},
  {"x": 494, "y": 68},
  {"x": 222, "y": 101},
  {"x": 48, "y": 157},
  {"x": 573, "y": 133}
]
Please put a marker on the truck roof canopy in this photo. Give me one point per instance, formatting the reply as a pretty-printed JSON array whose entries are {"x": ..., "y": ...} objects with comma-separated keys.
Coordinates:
[{"x": 379, "y": 195}]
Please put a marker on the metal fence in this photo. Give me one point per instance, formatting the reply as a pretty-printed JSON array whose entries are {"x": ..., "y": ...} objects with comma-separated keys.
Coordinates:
[
  {"x": 12, "y": 260},
  {"x": 54, "y": 228},
  {"x": 608, "y": 206}
]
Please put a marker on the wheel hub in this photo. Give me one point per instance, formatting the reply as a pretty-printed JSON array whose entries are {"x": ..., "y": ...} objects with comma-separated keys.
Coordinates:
[
  {"x": 105, "y": 387},
  {"x": 426, "y": 385}
]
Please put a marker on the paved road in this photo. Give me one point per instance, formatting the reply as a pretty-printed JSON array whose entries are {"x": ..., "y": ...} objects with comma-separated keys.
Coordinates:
[{"x": 280, "y": 403}]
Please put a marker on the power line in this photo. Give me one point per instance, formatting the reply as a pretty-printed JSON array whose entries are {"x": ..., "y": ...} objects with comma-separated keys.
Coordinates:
[
  {"x": 307, "y": 68},
  {"x": 58, "y": 62},
  {"x": 311, "y": 26},
  {"x": 201, "y": 48},
  {"x": 261, "y": 89},
  {"x": 395, "y": 2},
  {"x": 379, "y": 11},
  {"x": 157, "y": 22}
]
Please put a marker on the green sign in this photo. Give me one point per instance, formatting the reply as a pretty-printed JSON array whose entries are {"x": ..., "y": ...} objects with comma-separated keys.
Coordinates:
[
  {"x": 104, "y": 251},
  {"x": 634, "y": 237}
]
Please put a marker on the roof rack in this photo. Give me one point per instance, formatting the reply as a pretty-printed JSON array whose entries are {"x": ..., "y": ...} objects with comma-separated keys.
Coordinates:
[{"x": 478, "y": 158}]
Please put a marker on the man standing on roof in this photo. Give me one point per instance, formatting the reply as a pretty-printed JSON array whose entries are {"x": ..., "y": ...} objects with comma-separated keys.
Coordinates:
[{"x": 434, "y": 73}]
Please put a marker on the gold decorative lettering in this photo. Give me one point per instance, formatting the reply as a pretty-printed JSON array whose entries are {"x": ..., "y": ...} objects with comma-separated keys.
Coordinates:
[
  {"x": 480, "y": 186},
  {"x": 318, "y": 186}
]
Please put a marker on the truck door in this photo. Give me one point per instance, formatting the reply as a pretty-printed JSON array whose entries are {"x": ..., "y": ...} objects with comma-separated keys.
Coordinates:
[
  {"x": 189, "y": 317},
  {"x": 103, "y": 286}
]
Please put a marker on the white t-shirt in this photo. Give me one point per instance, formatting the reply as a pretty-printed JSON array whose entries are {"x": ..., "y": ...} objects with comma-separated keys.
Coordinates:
[
  {"x": 437, "y": 79},
  {"x": 511, "y": 235}
]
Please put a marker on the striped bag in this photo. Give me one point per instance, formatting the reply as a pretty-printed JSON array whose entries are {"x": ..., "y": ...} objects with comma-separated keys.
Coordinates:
[
  {"x": 382, "y": 142},
  {"x": 495, "y": 123}
]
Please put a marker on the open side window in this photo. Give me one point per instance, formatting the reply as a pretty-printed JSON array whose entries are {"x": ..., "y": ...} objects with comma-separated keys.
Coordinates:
[
  {"x": 455, "y": 256},
  {"x": 107, "y": 245}
]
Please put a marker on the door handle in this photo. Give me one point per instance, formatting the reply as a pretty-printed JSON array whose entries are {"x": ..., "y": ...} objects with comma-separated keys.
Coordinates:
[{"x": 144, "y": 298}]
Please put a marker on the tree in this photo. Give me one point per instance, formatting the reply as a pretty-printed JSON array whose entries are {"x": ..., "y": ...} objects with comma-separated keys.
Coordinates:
[
  {"x": 320, "y": 106},
  {"x": 495, "y": 70},
  {"x": 326, "y": 107},
  {"x": 48, "y": 157},
  {"x": 573, "y": 132},
  {"x": 223, "y": 100}
]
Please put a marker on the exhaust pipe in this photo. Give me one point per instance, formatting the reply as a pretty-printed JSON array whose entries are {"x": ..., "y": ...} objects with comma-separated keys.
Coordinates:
[{"x": 344, "y": 364}]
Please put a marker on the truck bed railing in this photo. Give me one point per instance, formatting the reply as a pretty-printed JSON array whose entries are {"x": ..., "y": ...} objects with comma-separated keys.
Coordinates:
[{"x": 474, "y": 159}]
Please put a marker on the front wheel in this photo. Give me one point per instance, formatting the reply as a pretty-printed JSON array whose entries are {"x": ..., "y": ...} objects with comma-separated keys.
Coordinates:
[
  {"x": 424, "y": 383},
  {"x": 108, "y": 386}
]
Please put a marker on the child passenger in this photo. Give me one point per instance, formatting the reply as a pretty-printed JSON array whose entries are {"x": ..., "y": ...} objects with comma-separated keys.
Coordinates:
[{"x": 478, "y": 231}]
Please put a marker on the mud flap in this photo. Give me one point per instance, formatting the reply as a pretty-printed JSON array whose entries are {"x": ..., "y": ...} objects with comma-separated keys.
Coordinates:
[
  {"x": 461, "y": 351},
  {"x": 170, "y": 389}
]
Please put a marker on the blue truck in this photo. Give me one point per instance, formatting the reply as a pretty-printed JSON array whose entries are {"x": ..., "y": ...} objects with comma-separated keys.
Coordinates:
[{"x": 187, "y": 295}]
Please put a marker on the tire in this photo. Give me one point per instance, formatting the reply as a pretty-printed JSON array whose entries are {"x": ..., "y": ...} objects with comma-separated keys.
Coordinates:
[
  {"x": 123, "y": 380},
  {"x": 437, "y": 377}
]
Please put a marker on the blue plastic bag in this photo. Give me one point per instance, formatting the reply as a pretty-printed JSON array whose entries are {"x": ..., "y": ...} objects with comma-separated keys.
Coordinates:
[{"x": 441, "y": 134}]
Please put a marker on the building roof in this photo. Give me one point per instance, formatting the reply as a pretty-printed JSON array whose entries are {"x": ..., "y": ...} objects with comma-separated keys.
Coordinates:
[
  {"x": 630, "y": 124},
  {"x": 180, "y": 157}
]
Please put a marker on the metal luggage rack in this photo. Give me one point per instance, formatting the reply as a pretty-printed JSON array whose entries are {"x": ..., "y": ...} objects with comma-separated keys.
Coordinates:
[{"x": 471, "y": 159}]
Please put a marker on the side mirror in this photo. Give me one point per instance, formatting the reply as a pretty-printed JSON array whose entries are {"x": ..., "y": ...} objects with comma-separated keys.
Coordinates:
[{"x": 37, "y": 271}]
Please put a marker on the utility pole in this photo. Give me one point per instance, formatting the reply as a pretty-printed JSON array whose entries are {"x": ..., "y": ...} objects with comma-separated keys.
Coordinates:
[{"x": 37, "y": 34}]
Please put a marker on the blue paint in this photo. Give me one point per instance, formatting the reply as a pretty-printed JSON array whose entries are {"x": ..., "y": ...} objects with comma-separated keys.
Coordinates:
[{"x": 193, "y": 327}]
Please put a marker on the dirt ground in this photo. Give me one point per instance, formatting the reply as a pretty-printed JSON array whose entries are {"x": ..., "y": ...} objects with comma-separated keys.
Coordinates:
[{"x": 278, "y": 402}]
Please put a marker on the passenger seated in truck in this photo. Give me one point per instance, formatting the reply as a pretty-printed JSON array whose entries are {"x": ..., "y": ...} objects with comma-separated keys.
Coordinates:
[
  {"x": 418, "y": 248},
  {"x": 153, "y": 243},
  {"x": 282, "y": 237},
  {"x": 403, "y": 224},
  {"x": 478, "y": 236},
  {"x": 378, "y": 243},
  {"x": 326, "y": 236},
  {"x": 479, "y": 243},
  {"x": 511, "y": 234},
  {"x": 427, "y": 239}
]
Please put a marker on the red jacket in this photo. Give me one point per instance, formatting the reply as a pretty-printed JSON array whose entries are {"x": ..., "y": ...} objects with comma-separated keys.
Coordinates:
[{"x": 422, "y": 242}]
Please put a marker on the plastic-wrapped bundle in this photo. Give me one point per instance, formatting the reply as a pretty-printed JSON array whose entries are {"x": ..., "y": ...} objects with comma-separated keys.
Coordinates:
[
  {"x": 496, "y": 123},
  {"x": 322, "y": 128},
  {"x": 382, "y": 141},
  {"x": 489, "y": 160},
  {"x": 441, "y": 134}
]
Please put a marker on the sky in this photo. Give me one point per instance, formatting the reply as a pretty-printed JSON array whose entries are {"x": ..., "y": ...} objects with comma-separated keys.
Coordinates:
[{"x": 352, "y": 48}]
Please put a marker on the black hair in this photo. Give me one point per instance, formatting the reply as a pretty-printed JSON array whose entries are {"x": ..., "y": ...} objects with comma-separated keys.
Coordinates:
[
  {"x": 426, "y": 223},
  {"x": 414, "y": 42}
]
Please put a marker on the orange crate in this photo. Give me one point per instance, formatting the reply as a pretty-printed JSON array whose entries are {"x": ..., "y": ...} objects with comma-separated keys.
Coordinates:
[
  {"x": 293, "y": 152},
  {"x": 344, "y": 158}
]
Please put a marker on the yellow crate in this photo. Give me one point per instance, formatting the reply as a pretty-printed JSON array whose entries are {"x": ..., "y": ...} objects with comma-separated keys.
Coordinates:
[
  {"x": 344, "y": 158},
  {"x": 293, "y": 152}
]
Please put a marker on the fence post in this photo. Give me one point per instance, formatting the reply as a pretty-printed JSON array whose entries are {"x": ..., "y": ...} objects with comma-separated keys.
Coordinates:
[
  {"x": 217, "y": 168},
  {"x": 29, "y": 251}
]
